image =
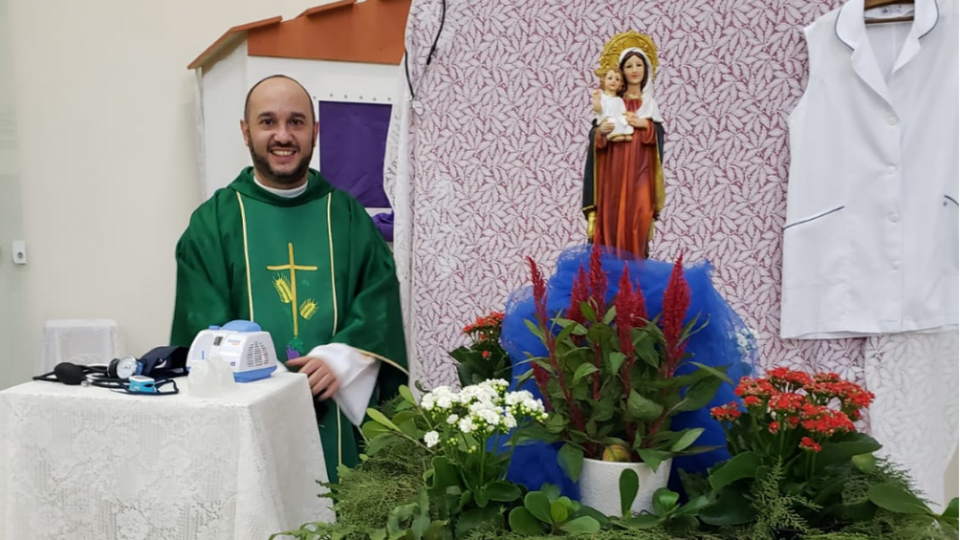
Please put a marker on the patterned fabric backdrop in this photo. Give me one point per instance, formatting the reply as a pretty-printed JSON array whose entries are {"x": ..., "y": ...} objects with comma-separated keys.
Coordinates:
[
  {"x": 485, "y": 159},
  {"x": 498, "y": 137}
]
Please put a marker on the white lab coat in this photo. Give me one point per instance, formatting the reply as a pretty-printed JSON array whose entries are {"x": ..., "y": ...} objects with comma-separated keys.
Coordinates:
[{"x": 870, "y": 240}]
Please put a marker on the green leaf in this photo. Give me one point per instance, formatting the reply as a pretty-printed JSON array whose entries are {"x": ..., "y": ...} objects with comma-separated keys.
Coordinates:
[
  {"x": 865, "y": 462},
  {"x": 377, "y": 444},
  {"x": 371, "y": 430},
  {"x": 699, "y": 394},
  {"x": 482, "y": 498},
  {"x": 558, "y": 511},
  {"x": 584, "y": 370},
  {"x": 642, "y": 408},
  {"x": 378, "y": 417},
  {"x": 378, "y": 534},
  {"x": 420, "y": 525},
  {"x": 567, "y": 328},
  {"x": 718, "y": 372},
  {"x": 581, "y": 525},
  {"x": 445, "y": 474},
  {"x": 853, "y": 444},
  {"x": 593, "y": 513},
  {"x": 503, "y": 491},
  {"x": 897, "y": 499},
  {"x": 534, "y": 329},
  {"x": 731, "y": 508},
  {"x": 694, "y": 506},
  {"x": 653, "y": 458},
  {"x": 551, "y": 491},
  {"x": 538, "y": 505},
  {"x": 689, "y": 437},
  {"x": 740, "y": 466},
  {"x": 629, "y": 486},
  {"x": 465, "y": 498},
  {"x": 952, "y": 511},
  {"x": 645, "y": 521},
  {"x": 479, "y": 518},
  {"x": 555, "y": 423},
  {"x": 665, "y": 501},
  {"x": 571, "y": 460},
  {"x": 524, "y": 523},
  {"x": 615, "y": 360},
  {"x": 407, "y": 395},
  {"x": 589, "y": 313}
]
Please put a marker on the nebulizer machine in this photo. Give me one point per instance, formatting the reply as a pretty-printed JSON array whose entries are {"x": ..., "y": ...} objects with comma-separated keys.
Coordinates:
[{"x": 222, "y": 356}]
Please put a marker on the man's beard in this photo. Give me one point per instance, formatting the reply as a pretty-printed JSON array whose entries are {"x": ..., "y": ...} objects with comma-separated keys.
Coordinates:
[{"x": 262, "y": 165}]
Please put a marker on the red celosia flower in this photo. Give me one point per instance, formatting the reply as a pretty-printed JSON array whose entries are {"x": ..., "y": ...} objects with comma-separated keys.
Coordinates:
[
  {"x": 676, "y": 301},
  {"x": 579, "y": 295},
  {"x": 598, "y": 282}
]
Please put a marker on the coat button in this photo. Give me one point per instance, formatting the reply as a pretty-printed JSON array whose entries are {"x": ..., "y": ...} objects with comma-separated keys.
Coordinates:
[
  {"x": 892, "y": 120},
  {"x": 891, "y": 169},
  {"x": 896, "y": 265},
  {"x": 894, "y": 217}
]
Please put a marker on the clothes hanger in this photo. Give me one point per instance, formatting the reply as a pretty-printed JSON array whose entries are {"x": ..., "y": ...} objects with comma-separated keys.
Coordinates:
[{"x": 870, "y": 4}]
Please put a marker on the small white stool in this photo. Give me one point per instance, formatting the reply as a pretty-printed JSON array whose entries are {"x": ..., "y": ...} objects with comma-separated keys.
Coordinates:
[{"x": 79, "y": 341}]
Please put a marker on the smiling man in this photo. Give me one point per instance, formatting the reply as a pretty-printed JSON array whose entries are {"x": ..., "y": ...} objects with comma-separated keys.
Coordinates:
[{"x": 279, "y": 246}]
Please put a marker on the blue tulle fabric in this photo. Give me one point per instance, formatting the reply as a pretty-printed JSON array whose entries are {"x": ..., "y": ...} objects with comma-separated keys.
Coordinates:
[{"x": 725, "y": 341}]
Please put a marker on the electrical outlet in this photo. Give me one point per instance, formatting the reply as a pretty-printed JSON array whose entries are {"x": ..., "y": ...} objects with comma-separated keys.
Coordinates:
[{"x": 19, "y": 252}]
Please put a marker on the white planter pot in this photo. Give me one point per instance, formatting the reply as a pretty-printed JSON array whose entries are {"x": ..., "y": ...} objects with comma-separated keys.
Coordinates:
[{"x": 600, "y": 485}]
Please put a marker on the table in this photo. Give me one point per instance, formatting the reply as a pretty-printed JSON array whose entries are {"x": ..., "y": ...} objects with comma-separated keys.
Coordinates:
[{"x": 88, "y": 463}]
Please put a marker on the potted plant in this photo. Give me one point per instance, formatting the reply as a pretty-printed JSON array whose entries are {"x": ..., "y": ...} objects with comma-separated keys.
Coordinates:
[
  {"x": 611, "y": 381},
  {"x": 484, "y": 358}
]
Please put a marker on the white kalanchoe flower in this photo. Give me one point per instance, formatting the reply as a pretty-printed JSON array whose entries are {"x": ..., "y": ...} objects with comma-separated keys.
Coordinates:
[
  {"x": 431, "y": 438},
  {"x": 452, "y": 419},
  {"x": 467, "y": 425},
  {"x": 427, "y": 402}
]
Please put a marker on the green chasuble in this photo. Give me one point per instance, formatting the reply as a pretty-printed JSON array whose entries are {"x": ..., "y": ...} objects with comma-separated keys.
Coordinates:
[{"x": 311, "y": 270}]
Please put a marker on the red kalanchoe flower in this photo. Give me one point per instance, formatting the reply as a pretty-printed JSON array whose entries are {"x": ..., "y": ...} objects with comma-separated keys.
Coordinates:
[
  {"x": 787, "y": 402},
  {"x": 729, "y": 412},
  {"x": 751, "y": 401},
  {"x": 579, "y": 295},
  {"x": 808, "y": 444},
  {"x": 774, "y": 427},
  {"x": 755, "y": 387},
  {"x": 676, "y": 301}
]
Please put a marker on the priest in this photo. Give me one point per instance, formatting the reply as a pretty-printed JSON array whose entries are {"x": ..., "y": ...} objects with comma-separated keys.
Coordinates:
[{"x": 281, "y": 247}]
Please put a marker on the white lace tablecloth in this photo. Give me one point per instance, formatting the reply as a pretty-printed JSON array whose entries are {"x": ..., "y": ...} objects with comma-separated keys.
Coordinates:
[{"x": 91, "y": 464}]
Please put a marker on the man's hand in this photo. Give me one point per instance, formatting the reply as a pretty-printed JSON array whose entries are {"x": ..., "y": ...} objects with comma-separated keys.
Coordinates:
[{"x": 319, "y": 375}]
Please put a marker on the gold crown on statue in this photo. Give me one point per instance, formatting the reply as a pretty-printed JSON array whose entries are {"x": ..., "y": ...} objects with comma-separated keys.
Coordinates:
[{"x": 610, "y": 57}]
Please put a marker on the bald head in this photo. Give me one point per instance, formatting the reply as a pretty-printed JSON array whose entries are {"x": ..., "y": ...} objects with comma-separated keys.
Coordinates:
[
  {"x": 272, "y": 84},
  {"x": 280, "y": 129}
]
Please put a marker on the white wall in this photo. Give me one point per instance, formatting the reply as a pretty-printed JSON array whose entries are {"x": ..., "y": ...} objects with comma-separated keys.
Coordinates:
[
  {"x": 12, "y": 277},
  {"x": 224, "y": 90},
  {"x": 108, "y": 156}
]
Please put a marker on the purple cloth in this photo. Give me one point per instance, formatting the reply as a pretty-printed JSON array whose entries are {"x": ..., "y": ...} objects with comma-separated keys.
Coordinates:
[
  {"x": 384, "y": 222},
  {"x": 353, "y": 140}
]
